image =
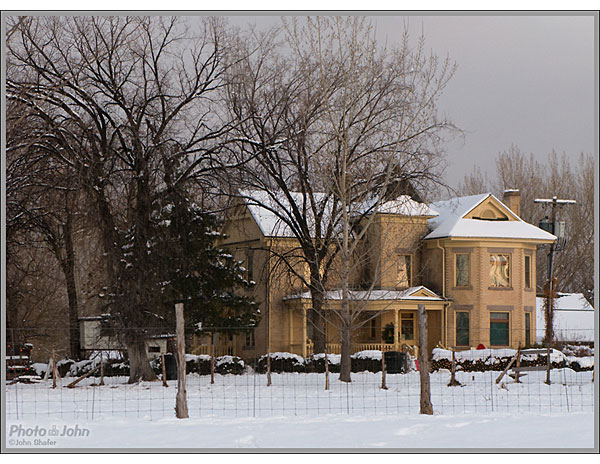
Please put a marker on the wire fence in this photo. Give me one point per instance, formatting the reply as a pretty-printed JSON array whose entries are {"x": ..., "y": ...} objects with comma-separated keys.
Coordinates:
[{"x": 302, "y": 393}]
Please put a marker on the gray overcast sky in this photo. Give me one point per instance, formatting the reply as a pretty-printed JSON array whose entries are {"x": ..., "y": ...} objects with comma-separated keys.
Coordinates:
[{"x": 522, "y": 80}]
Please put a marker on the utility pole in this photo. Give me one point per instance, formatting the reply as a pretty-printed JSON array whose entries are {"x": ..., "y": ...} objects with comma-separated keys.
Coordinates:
[{"x": 556, "y": 229}]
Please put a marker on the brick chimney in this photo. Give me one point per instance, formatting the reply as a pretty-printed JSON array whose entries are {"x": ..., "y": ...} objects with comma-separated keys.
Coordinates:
[{"x": 512, "y": 199}]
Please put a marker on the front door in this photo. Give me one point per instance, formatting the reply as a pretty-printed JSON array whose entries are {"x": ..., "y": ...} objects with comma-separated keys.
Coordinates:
[{"x": 408, "y": 329}]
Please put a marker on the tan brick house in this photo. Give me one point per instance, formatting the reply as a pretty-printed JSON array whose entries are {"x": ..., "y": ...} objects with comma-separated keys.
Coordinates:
[{"x": 470, "y": 260}]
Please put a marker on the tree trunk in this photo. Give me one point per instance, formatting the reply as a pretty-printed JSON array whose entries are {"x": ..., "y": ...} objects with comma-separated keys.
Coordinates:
[
  {"x": 318, "y": 324},
  {"x": 425, "y": 406},
  {"x": 139, "y": 366},
  {"x": 346, "y": 360},
  {"x": 69, "y": 271}
]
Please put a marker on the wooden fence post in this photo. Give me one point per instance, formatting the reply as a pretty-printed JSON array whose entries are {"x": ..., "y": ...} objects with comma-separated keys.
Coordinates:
[
  {"x": 212, "y": 358},
  {"x": 164, "y": 370},
  {"x": 101, "y": 367},
  {"x": 53, "y": 369},
  {"x": 517, "y": 370},
  {"x": 326, "y": 371},
  {"x": 425, "y": 403},
  {"x": 181, "y": 410},
  {"x": 383, "y": 385},
  {"x": 453, "y": 382},
  {"x": 268, "y": 369},
  {"x": 84, "y": 376},
  {"x": 548, "y": 366}
]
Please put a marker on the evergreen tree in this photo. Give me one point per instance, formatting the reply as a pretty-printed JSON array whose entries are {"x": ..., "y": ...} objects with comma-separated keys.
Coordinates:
[{"x": 189, "y": 267}]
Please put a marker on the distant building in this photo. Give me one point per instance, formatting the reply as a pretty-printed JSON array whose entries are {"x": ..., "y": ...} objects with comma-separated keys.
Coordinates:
[
  {"x": 97, "y": 335},
  {"x": 573, "y": 319}
]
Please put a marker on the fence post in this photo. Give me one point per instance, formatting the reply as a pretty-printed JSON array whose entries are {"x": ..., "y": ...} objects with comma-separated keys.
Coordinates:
[
  {"x": 518, "y": 363},
  {"x": 548, "y": 366},
  {"x": 181, "y": 410},
  {"x": 425, "y": 403},
  {"x": 101, "y": 367},
  {"x": 53, "y": 369},
  {"x": 326, "y": 371},
  {"x": 268, "y": 369},
  {"x": 164, "y": 370},
  {"x": 453, "y": 382},
  {"x": 212, "y": 358},
  {"x": 383, "y": 385}
]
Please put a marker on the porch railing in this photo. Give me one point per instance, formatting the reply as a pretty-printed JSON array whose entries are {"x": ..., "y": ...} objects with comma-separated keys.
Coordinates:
[
  {"x": 336, "y": 348},
  {"x": 219, "y": 350}
]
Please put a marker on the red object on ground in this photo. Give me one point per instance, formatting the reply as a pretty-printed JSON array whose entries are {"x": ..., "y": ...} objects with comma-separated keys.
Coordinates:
[
  {"x": 417, "y": 364},
  {"x": 481, "y": 346}
]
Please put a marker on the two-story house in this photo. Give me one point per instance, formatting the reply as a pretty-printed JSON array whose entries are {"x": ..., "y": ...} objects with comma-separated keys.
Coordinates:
[{"x": 469, "y": 260}]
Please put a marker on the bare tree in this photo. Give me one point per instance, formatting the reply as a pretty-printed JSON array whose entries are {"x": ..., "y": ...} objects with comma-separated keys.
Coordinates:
[
  {"x": 41, "y": 198},
  {"x": 128, "y": 102},
  {"x": 382, "y": 130},
  {"x": 561, "y": 175},
  {"x": 332, "y": 123}
]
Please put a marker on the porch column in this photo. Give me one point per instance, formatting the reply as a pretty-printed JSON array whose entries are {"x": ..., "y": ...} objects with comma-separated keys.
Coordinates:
[
  {"x": 396, "y": 330},
  {"x": 304, "y": 332}
]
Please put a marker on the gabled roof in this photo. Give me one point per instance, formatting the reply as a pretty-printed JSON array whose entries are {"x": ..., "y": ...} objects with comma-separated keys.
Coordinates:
[
  {"x": 267, "y": 211},
  {"x": 404, "y": 205},
  {"x": 411, "y": 293},
  {"x": 452, "y": 221}
]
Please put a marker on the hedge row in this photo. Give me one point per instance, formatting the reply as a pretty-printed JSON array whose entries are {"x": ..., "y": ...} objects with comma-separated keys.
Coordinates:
[
  {"x": 499, "y": 364},
  {"x": 194, "y": 364},
  {"x": 287, "y": 362}
]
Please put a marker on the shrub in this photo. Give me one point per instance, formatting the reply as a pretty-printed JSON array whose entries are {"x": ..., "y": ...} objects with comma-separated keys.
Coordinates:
[
  {"x": 281, "y": 362},
  {"x": 369, "y": 360},
  {"x": 316, "y": 363},
  {"x": 229, "y": 365}
]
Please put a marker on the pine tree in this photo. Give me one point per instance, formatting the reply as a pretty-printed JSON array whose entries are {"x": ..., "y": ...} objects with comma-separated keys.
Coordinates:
[{"x": 189, "y": 267}]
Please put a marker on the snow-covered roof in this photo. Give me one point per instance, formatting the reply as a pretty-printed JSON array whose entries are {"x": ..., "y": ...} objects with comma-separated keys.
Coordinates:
[
  {"x": 268, "y": 211},
  {"x": 404, "y": 205},
  {"x": 451, "y": 222},
  {"x": 573, "y": 318},
  {"x": 375, "y": 295}
]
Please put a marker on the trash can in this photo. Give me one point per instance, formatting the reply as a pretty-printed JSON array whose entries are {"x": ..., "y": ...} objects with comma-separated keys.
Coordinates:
[
  {"x": 170, "y": 366},
  {"x": 395, "y": 362}
]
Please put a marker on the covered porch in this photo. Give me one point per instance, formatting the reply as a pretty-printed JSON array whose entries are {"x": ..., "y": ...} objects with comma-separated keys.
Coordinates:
[{"x": 388, "y": 321}]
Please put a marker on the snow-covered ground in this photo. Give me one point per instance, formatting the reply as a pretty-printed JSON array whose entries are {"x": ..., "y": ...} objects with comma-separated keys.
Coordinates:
[
  {"x": 543, "y": 432},
  {"x": 297, "y": 412}
]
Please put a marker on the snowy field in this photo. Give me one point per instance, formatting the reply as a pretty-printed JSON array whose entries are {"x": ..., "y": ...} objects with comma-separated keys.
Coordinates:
[{"x": 297, "y": 412}]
